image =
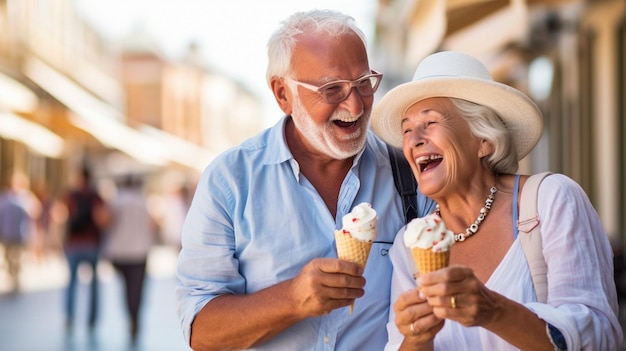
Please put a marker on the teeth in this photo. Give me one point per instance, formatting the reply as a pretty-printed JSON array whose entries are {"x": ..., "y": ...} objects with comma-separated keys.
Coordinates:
[
  {"x": 427, "y": 158},
  {"x": 348, "y": 119}
]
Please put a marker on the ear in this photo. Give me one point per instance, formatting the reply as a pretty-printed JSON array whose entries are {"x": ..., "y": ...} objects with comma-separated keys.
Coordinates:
[
  {"x": 486, "y": 148},
  {"x": 282, "y": 94}
]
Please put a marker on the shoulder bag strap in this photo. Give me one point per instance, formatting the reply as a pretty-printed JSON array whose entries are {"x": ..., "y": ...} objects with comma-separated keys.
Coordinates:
[
  {"x": 405, "y": 182},
  {"x": 529, "y": 229}
]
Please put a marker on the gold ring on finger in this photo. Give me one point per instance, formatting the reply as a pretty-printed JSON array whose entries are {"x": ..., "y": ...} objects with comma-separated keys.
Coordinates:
[
  {"x": 413, "y": 331},
  {"x": 453, "y": 301}
]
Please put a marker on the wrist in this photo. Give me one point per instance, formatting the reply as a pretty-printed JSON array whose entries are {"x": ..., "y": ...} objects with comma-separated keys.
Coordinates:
[
  {"x": 422, "y": 346},
  {"x": 498, "y": 314}
]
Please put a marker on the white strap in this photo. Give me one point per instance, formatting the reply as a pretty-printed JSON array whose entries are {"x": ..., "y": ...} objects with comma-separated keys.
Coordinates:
[{"x": 529, "y": 229}]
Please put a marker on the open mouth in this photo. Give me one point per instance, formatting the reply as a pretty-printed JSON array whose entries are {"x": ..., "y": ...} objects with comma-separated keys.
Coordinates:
[
  {"x": 343, "y": 124},
  {"x": 345, "y": 120},
  {"x": 427, "y": 162}
]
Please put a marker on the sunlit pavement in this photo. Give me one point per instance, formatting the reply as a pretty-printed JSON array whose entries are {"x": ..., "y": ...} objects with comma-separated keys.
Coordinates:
[{"x": 33, "y": 318}]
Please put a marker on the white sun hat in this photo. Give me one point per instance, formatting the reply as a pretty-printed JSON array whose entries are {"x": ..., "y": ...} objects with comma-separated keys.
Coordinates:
[{"x": 458, "y": 75}]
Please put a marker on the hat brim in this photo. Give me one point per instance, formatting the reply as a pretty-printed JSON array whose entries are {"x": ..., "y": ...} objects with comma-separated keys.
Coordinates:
[{"x": 518, "y": 112}]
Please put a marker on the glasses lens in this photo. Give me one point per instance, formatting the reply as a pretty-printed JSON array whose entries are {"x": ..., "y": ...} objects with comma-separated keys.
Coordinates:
[
  {"x": 335, "y": 92},
  {"x": 367, "y": 86}
]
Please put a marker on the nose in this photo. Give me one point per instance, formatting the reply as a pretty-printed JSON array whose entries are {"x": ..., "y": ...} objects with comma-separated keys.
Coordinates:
[
  {"x": 355, "y": 103},
  {"x": 414, "y": 138}
]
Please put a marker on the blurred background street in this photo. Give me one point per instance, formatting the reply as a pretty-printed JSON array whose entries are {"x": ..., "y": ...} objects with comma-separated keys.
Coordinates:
[
  {"x": 155, "y": 89},
  {"x": 33, "y": 319}
]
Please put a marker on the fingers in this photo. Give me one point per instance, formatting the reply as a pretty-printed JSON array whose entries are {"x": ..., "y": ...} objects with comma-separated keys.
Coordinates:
[
  {"x": 456, "y": 293},
  {"x": 333, "y": 265},
  {"x": 326, "y": 284},
  {"x": 448, "y": 282},
  {"x": 335, "y": 273},
  {"x": 449, "y": 290},
  {"x": 424, "y": 328},
  {"x": 453, "y": 293},
  {"x": 410, "y": 307},
  {"x": 453, "y": 303},
  {"x": 415, "y": 318},
  {"x": 446, "y": 275},
  {"x": 408, "y": 299}
]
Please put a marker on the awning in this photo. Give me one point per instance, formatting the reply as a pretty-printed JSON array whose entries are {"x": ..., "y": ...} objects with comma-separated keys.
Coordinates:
[
  {"x": 36, "y": 137},
  {"x": 106, "y": 124},
  {"x": 15, "y": 96},
  {"x": 182, "y": 151},
  {"x": 93, "y": 115},
  {"x": 121, "y": 137},
  {"x": 504, "y": 25},
  {"x": 463, "y": 26},
  {"x": 477, "y": 27}
]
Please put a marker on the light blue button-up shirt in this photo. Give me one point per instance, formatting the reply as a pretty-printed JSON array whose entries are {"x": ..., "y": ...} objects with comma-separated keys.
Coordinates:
[{"x": 255, "y": 221}]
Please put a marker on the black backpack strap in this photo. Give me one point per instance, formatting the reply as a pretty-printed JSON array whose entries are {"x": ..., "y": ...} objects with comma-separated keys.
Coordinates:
[{"x": 405, "y": 182}]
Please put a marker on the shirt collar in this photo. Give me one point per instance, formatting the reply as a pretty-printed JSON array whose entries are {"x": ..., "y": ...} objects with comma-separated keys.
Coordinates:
[{"x": 279, "y": 151}]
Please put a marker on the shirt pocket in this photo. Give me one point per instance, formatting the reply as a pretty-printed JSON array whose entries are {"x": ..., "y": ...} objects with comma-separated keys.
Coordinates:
[{"x": 378, "y": 270}]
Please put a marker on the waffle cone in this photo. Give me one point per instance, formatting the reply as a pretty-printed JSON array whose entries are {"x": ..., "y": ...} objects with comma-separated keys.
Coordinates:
[
  {"x": 429, "y": 261},
  {"x": 353, "y": 250}
]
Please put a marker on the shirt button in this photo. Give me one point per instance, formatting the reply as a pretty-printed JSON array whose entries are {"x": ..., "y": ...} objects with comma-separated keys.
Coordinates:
[{"x": 326, "y": 340}]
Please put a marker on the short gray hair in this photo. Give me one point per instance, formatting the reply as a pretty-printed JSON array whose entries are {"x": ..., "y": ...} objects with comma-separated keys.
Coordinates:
[
  {"x": 484, "y": 123},
  {"x": 282, "y": 42}
]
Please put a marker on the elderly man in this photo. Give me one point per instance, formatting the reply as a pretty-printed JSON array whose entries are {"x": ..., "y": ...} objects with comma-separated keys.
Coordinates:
[{"x": 258, "y": 267}]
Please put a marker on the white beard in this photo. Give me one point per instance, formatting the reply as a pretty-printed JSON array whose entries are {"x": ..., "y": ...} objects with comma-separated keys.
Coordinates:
[{"x": 323, "y": 137}]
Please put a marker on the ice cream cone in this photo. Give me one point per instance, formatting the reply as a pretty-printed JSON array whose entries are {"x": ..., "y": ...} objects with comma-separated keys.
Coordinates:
[
  {"x": 353, "y": 250},
  {"x": 428, "y": 261},
  {"x": 429, "y": 241}
]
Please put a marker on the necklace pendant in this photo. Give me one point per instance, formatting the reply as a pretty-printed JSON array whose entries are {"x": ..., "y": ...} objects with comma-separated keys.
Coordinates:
[
  {"x": 472, "y": 229},
  {"x": 488, "y": 203}
]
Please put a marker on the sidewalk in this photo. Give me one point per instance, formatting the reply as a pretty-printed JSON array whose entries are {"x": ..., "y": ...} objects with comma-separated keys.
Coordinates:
[{"x": 33, "y": 319}]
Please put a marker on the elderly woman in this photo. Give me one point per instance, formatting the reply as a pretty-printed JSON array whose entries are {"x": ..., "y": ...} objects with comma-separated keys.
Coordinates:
[{"x": 463, "y": 135}]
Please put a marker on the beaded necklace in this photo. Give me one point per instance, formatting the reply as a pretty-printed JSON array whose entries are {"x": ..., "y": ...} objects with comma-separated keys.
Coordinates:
[{"x": 472, "y": 229}]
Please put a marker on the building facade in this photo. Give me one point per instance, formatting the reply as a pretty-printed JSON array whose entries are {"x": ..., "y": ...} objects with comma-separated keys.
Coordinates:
[
  {"x": 568, "y": 55},
  {"x": 70, "y": 97}
]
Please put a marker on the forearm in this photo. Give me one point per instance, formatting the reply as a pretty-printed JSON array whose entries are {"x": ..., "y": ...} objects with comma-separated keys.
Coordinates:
[
  {"x": 408, "y": 346},
  {"x": 243, "y": 321},
  {"x": 519, "y": 326}
]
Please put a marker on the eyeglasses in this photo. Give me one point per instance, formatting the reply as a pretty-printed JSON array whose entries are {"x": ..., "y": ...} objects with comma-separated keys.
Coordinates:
[{"x": 339, "y": 90}]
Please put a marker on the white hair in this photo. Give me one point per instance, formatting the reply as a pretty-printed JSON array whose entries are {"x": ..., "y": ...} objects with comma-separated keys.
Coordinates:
[
  {"x": 484, "y": 123},
  {"x": 282, "y": 42}
]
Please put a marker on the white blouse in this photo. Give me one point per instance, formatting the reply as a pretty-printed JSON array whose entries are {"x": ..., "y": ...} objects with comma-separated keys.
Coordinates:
[{"x": 582, "y": 300}]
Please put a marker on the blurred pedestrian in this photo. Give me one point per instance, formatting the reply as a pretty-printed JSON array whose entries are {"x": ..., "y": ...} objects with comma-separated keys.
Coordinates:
[
  {"x": 88, "y": 216},
  {"x": 172, "y": 211},
  {"x": 48, "y": 233},
  {"x": 19, "y": 209},
  {"x": 130, "y": 237}
]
